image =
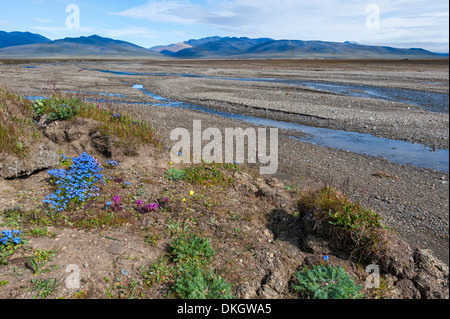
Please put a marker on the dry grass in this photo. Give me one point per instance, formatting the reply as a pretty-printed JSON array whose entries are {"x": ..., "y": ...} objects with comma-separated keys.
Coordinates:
[{"x": 17, "y": 127}]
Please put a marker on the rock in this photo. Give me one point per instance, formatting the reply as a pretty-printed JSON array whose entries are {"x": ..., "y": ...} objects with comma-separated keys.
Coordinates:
[
  {"x": 40, "y": 156},
  {"x": 275, "y": 285},
  {"x": 407, "y": 289},
  {"x": 115, "y": 248},
  {"x": 432, "y": 278},
  {"x": 245, "y": 291}
]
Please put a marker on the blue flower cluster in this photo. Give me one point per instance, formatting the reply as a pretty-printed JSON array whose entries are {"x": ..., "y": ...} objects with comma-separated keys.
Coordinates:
[
  {"x": 75, "y": 184},
  {"x": 10, "y": 235},
  {"x": 125, "y": 184},
  {"x": 116, "y": 116},
  {"x": 111, "y": 164}
]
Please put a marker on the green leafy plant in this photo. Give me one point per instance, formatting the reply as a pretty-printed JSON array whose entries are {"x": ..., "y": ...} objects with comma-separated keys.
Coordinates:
[
  {"x": 199, "y": 284},
  {"x": 327, "y": 282},
  {"x": 157, "y": 272},
  {"x": 175, "y": 174},
  {"x": 40, "y": 259},
  {"x": 58, "y": 108},
  {"x": 190, "y": 249},
  {"x": 43, "y": 287}
]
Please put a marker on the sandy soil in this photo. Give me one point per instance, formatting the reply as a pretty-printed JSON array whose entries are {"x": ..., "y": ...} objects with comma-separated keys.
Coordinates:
[{"x": 413, "y": 201}]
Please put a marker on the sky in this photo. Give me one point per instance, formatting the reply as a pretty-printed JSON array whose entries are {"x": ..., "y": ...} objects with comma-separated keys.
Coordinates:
[{"x": 398, "y": 23}]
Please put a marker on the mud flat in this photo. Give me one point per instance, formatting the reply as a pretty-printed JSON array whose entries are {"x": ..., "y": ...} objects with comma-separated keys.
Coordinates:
[{"x": 412, "y": 200}]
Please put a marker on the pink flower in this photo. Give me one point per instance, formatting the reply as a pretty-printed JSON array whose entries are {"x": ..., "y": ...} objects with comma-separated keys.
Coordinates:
[{"x": 151, "y": 207}]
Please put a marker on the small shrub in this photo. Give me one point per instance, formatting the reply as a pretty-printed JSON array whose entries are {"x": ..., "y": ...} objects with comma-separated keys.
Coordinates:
[
  {"x": 327, "y": 282},
  {"x": 57, "y": 108},
  {"x": 191, "y": 250},
  {"x": 360, "y": 227},
  {"x": 175, "y": 174},
  {"x": 198, "y": 284}
]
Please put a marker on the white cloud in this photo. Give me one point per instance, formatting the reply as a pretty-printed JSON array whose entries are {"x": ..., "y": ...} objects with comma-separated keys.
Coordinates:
[
  {"x": 41, "y": 20},
  {"x": 166, "y": 11},
  {"x": 134, "y": 32},
  {"x": 4, "y": 22},
  {"x": 401, "y": 22}
]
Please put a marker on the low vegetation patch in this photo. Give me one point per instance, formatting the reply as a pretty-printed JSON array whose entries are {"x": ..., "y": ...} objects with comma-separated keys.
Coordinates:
[
  {"x": 186, "y": 268},
  {"x": 326, "y": 282},
  {"x": 361, "y": 228},
  {"x": 18, "y": 130},
  {"x": 19, "y": 120}
]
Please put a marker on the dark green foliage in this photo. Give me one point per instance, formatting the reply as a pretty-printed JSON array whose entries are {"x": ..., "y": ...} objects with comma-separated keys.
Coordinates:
[{"x": 327, "y": 282}]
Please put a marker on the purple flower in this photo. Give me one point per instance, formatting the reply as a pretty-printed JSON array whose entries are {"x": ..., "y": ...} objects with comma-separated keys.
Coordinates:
[
  {"x": 139, "y": 203},
  {"x": 116, "y": 199},
  {"x": 151, "y": 207}
]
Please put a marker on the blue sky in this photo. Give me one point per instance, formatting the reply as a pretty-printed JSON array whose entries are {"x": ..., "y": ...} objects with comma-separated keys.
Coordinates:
[{"x": 399, "y": 23}]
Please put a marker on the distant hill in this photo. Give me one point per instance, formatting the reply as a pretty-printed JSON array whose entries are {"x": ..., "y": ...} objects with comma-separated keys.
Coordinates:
[
  {"x": 227, "y": 47},
  {"x": 9, "y": 39},
  {"x": 82, "y": 47},
  {"x": 26, "y": 45}
]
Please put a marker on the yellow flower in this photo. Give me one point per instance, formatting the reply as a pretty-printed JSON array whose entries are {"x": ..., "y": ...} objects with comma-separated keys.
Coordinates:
[
  {"x": 170, "y": 163},
  {"x": 184, "y": 199},
  {"x": 191, "y": 193}
]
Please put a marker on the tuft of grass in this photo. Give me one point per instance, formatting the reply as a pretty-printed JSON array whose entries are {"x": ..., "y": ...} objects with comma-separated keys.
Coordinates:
[
  {"x": 360, "y": 226},
  {"x": 204, "y": 174},
  {"x": 327, "y": 282},
  {"x": 43, "y": 287},
  {"x": 17, "y": 128}
]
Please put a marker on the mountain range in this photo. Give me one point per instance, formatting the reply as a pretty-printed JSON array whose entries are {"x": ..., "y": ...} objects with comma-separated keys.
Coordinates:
[
  {"x": 27, "y": 45},
  {"x": 83, "y": 47},
  {"x": 9, "y": 39},
  {"x": 217, "y": 47}
]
